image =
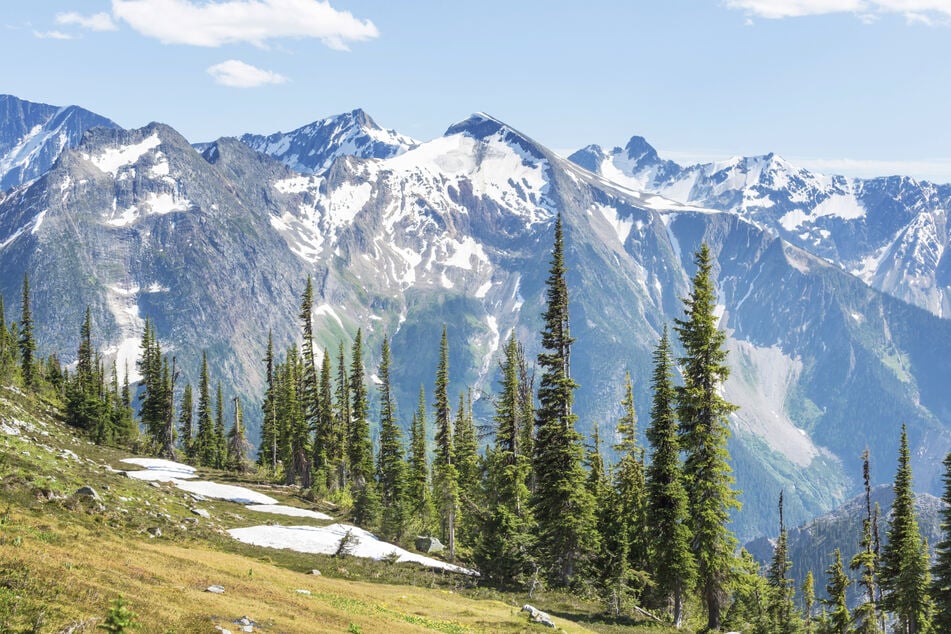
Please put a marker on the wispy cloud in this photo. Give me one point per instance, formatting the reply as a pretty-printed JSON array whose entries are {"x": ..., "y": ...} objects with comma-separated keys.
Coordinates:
[
  {"x": 52, "y": 35},
  {"x": 237, "y": 74},
  {"x": 250, "y": 21},
  {"x": 927, "y": 12},
  {"x": 95, "y": 22}
]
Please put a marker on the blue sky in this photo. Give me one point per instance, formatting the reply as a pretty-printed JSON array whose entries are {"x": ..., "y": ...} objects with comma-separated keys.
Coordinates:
[{"x": 844, "y": 86}]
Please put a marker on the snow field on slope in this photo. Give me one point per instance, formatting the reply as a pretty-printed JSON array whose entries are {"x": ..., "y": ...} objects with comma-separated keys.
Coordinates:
[
  {"x": 113, "y": 158},
  {"x": 304, "y": 539},
  {"x": 325, "y": 540}
]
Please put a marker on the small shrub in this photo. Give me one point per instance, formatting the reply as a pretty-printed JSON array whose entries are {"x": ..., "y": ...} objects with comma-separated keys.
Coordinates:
[{"x": 120, "y": 618}]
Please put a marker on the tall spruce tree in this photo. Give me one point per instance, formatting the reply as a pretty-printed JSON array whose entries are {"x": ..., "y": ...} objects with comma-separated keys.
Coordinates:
[
  {"x": 310, "y": 388},
  {"x": 780, "y": 607},
  {"x": 27, "y": 343},
  {"x": 504, "y": 548},
  {"x": 445, "y": 475},
  {"x": 325, "y": 437},
  {"x": 465, "y": 449},
  {"x": 343, "y": 416},
  {"x": 905, "y": 576},
  {"x": 186, "y": 421},
  {"x": 391, "y": 467},
  {"x": 221, "y": 441},
  {"x": 866, "y": 560},
  {"x": 672, "y": 564},
  {"x": 629, "y": 481},
  {"x": 84, "y": 407},
  {"x": 366, "y": 508},
  {"x": 838, "y": 621},
  {"x": 205, "y": 447},
  {"x": 419, "y": 494},
  {"x": 562, "y": 505},
  {"x": 704, "y": 433},
  {"x": 941, "y": 572},
  {"x": 267, "y": 453},
  {"x": 808, "y": 603}
]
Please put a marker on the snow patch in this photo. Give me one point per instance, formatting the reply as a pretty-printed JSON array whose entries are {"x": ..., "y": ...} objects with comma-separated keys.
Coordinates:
[
  {"x": 122, "y": 302},
  {"x": 228, "y": 492},
  {"x": 290, "y": 511},
  {"x": 113, "y": 158},
  {"x": 325, "y": 541}
]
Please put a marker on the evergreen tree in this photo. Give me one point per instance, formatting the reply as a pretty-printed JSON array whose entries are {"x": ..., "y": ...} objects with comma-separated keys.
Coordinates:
[
  {"x": 267, "y": 454},
  {"x": 297, "y": 467},
  {"x": 85, "y": 408},
  {"x": 866, "y": 560},
  {"x": 186, "y": 421},
  {"x": 155, "y": 398},
  {"x": 7, "y": 346},
  {"x": 420, "y": 499},
  {"x": 905, "y": 578},
  {"x": 310, "y": 387},
  {"x": 465, "y": 450},
  {"x": 562, "y": 506},
  {"x": 238, "y": 444},
  {"x": 343, "y": 416},
  {"x": 391, "y": 467},
  {"x": 221, "y": 443},
  {"x": 836, "y": 588},
  {"x": 445, "y": 475},
  {"x": 27, "y": 343},
  {"x": 291, "y": 432},
  {"x": 782, "y": 613},
  {"x": 366, "y": 509},
  {"x": 205, "y": 447},
  {"x": 325, "y": 437},
  {"x": 614, "y": 575},
  {"x": 704, "y": 433},
  {"x": 672, "y": 564},
  {"x": 808, "y": 603},
  {"x": 630, "y": 482},
  {"x": 941, "y": 573},
  {"x": 504, "y": 548}
]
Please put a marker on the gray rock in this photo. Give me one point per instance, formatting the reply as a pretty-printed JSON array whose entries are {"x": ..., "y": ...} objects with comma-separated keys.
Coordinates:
[
  {"x": 202, "y": 513},
  {"x": 429, "y": 544},
  {"x": 87, "y": 492},
  {"x": 537, "y": 616},
  {"x": 215, "y": 589},
  {"x": 314, "y": 572},
  {"x": 155, "y": 531},
  {"x": 189, "y": 520}
]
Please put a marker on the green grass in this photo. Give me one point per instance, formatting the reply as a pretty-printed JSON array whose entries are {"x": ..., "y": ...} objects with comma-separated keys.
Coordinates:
[{"x": 64, "y": 561}]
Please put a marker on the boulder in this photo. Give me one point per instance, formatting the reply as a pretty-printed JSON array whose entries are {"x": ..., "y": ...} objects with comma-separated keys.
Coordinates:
[
  {"x": 202, "y": 513},
  {"x": 429, "y": 544},
  {"x": 314, "y": 572},
  {"x": 537, "y": 616},
  {"x": 87, "y": 492},
  {"x": 215, "y": 589},
  {"x": 155, "y": 531}
]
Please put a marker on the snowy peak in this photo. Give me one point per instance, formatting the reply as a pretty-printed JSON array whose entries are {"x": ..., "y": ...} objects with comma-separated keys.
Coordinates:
[
  {"x": 312, "y": 148},
  {"x": 641, "y": 152},
  {"x": 483, "y": 127},
  {"x": 33, "y": 135}
]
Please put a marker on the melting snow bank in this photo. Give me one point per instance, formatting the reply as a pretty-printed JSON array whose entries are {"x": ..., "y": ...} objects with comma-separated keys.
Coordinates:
[
  {"x": 229, "y": 492},
  {"x": 159, "y": 470},
  {"x": 291, "y": 511},
  {"x": 325, "y": 541}
]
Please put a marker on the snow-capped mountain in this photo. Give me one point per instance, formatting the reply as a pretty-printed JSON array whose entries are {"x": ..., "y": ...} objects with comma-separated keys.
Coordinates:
[
  {"x": 32, "y": 136},
  {"x": 892, "y": 232},
  {"x": 313, "y": 147},
  {"x": 214, "y": 248}
]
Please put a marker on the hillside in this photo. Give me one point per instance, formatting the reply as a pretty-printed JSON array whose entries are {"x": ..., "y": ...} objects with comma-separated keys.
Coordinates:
[{"x": 65, "y": 558}]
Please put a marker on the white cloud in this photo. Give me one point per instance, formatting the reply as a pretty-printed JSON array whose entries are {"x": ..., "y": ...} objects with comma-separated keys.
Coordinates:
[
  {"x": 237, "y": 74},
  {"x": 96, "y": 22},
  {"x": 52, "y": 35},
  {"x": 252, "y": 21},
  {"x": 927, "y": 12}
]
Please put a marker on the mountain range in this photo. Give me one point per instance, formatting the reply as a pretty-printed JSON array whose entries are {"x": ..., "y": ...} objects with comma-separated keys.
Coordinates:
[{"x": 213, "y": 242}]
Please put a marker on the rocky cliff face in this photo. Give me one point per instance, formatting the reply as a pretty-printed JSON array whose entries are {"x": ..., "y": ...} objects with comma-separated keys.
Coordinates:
[{"x": 32, "y": 136}]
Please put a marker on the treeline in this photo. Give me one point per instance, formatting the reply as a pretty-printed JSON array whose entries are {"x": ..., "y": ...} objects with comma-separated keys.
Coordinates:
[{"x": 536, "y": 506}]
